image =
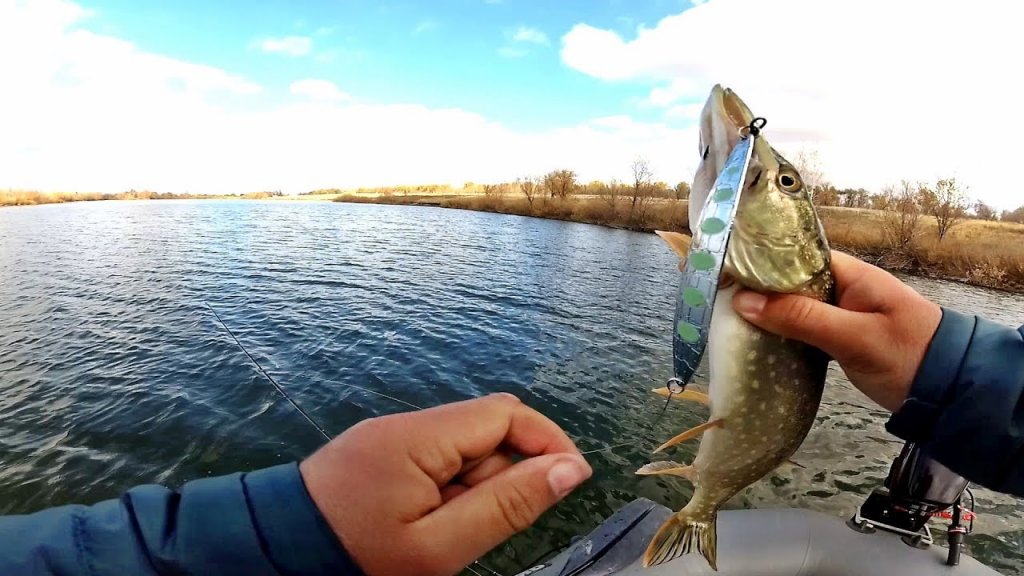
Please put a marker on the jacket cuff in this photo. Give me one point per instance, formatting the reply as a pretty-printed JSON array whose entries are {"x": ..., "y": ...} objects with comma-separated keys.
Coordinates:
[
  {"x": 297, "y": 537},
  {"x": 932, "y": 386}
]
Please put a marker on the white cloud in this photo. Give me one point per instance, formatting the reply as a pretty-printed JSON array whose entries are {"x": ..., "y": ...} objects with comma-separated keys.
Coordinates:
[
  {"x": 97, "y": 113},
  {"x": 530, "y": 35},
  {"x": 684, "y": 111},
  {"x": 886, "y": 90},
  {"x": 323, "y": 90},
  {"x": 519, "y": 38},
  {"x": 289, "y": 45}
]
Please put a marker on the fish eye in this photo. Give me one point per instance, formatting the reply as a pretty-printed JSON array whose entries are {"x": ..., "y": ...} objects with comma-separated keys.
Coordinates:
[{"x": 789, "y": 182}]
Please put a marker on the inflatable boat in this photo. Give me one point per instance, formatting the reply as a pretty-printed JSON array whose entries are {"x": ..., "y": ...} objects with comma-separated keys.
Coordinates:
[
  {"x": 767, "y": 542},
  {"x": 888, "y": 534}
]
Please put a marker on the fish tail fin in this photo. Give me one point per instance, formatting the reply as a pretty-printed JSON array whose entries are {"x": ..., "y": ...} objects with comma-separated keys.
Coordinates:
[{"x": 681, "y": 534}]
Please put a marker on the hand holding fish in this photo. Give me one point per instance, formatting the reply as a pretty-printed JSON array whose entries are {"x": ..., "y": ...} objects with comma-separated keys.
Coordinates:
[
  {"x": 878, "y": 330},
  {"x": 429, "y": 492}
]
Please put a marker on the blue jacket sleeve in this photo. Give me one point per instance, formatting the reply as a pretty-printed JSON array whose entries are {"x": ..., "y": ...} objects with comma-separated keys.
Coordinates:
[
  {"x": 262, "y": 522},
  {"x": 966, "y": 404}
]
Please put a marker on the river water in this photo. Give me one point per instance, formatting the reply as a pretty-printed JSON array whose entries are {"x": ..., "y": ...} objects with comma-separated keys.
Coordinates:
[{"x": 113, "y": 372}]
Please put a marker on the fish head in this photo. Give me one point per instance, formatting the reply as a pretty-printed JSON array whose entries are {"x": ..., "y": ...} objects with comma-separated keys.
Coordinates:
[
  {"x": 778, "y": 243},
  {"x": 721, "y": 115}
]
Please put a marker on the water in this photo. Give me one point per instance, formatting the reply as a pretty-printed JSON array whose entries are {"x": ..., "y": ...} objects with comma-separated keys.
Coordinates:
[{"x": 114, "y": 373}]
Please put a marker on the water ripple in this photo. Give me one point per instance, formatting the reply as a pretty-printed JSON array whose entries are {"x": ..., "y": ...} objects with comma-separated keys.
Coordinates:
[{"x": 113, "y": 372}]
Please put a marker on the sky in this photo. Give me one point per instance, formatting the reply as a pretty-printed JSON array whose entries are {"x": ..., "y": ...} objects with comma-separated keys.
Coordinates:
[{"x": 212, "y": 97}]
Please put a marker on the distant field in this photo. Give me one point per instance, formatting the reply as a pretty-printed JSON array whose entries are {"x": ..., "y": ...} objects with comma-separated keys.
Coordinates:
[
  {"x": 32, "y": 197},
  {"x": 976, "y": 251}
]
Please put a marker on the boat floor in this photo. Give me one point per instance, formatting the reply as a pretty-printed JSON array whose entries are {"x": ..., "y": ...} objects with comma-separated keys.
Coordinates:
[{"x": 763, "y": 542}]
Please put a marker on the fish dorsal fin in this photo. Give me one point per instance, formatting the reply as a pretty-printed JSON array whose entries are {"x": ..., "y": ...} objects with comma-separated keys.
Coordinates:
[
  {"x": 667, "y": 467},
  {"x": 692, "y": 433},
  {"x": 679, "y": 243}
]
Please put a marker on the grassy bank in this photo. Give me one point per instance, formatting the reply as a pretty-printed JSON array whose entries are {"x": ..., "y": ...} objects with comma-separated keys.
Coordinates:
[
  {"x": 32, "y": 197},
  {"x": 976, "y": 252}
]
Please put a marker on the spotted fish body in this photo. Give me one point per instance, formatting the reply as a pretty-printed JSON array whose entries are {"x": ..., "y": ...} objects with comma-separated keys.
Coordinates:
[{"x": 765, "y": 390}]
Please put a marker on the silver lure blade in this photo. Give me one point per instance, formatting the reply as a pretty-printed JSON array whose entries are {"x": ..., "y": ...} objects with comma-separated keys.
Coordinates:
[{"x": 699, "y": 282}]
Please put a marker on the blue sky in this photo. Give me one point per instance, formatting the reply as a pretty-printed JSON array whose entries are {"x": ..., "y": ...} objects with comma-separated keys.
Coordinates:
[
  {"x": 194, "y": 96},
  {"x": 461, "y": 53}
]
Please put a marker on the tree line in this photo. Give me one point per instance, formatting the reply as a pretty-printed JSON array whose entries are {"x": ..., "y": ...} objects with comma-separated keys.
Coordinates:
[
  {"x": 946, "y": 199},
  {"x": 563, "y": 184}
]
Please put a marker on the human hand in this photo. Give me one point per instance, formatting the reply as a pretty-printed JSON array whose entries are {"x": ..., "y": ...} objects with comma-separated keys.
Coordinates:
[
  {"x": 878, "y": 330},
  {"x": 428, "y": 492}
]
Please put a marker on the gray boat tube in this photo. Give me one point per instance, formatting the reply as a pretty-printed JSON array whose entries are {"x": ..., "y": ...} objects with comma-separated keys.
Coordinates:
[{"x": 763, "y": 542}]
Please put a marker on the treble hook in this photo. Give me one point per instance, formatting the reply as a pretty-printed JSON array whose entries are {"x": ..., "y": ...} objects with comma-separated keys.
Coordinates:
[{"x": 674, "y": 386}]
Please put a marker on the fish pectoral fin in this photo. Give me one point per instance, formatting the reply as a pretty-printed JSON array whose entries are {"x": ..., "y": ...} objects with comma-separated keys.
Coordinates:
[
  {"x": 679, "y": 243},
  {"x": 688, "y": 394},
  {"x": 692, "y": 433},
  {"x": 667, "y": 467}
]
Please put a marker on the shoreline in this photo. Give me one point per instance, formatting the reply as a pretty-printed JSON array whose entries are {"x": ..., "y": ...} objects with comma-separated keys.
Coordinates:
[
  {"x": 976, "y": 253},
  {"x": 11, "y": 199},
  {"x": 965, "y": 257}
]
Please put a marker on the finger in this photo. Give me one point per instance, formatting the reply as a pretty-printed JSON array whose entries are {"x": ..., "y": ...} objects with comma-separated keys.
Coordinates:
[
  {"x": 489, "y": 513},
  {"x": 828, "y": 327},
  {"x": 873, "y": 285},
  {"x": 444, "y": 438},
  {"x": 493, "y": 464},
  {"x": 451, "y": 491}
]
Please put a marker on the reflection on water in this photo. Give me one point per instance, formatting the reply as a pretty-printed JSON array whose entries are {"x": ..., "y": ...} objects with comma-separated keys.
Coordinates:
[{"x": 114, "y": 373}]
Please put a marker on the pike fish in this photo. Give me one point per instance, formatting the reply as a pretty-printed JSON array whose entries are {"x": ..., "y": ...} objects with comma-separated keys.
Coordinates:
[{"x": 764, "y": 390}]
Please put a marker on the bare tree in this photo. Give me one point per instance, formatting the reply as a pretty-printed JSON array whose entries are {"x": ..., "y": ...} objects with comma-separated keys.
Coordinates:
[
  {"x": 642, "y": 176},
  {"x": 528, "y": 186},
  {"x": 682, "y": 191},
  {"x": 560, "y": 183},
  {"x": 612, "y": 193},
  {"x": 950, "y": 205},
  {"x": 494, "y": 190},
  {"x": 855, "y": 198},
  {"x": 1013, "y": 215},
  {"x": 902, "y": 217},
  {"x": 808, "y": 165},
  {"x": 594, "y": 188},
  {"x": 983, "y": 211},
  {"x": 926, "y": 199},
  {"x": 641, "y": 191},
  {"x": 826, "y": 195},
  {"x": 662, "y": 190},
  {"x": 880, "y": 201}
]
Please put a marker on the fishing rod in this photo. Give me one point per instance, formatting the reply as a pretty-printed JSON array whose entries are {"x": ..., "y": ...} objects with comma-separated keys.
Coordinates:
[{"x": 310, "y": 419}]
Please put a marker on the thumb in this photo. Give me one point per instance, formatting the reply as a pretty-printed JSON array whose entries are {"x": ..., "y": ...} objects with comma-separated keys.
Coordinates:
[
  {"x": 471, "y": 524},
  {"x": 832, "y": 329}
]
